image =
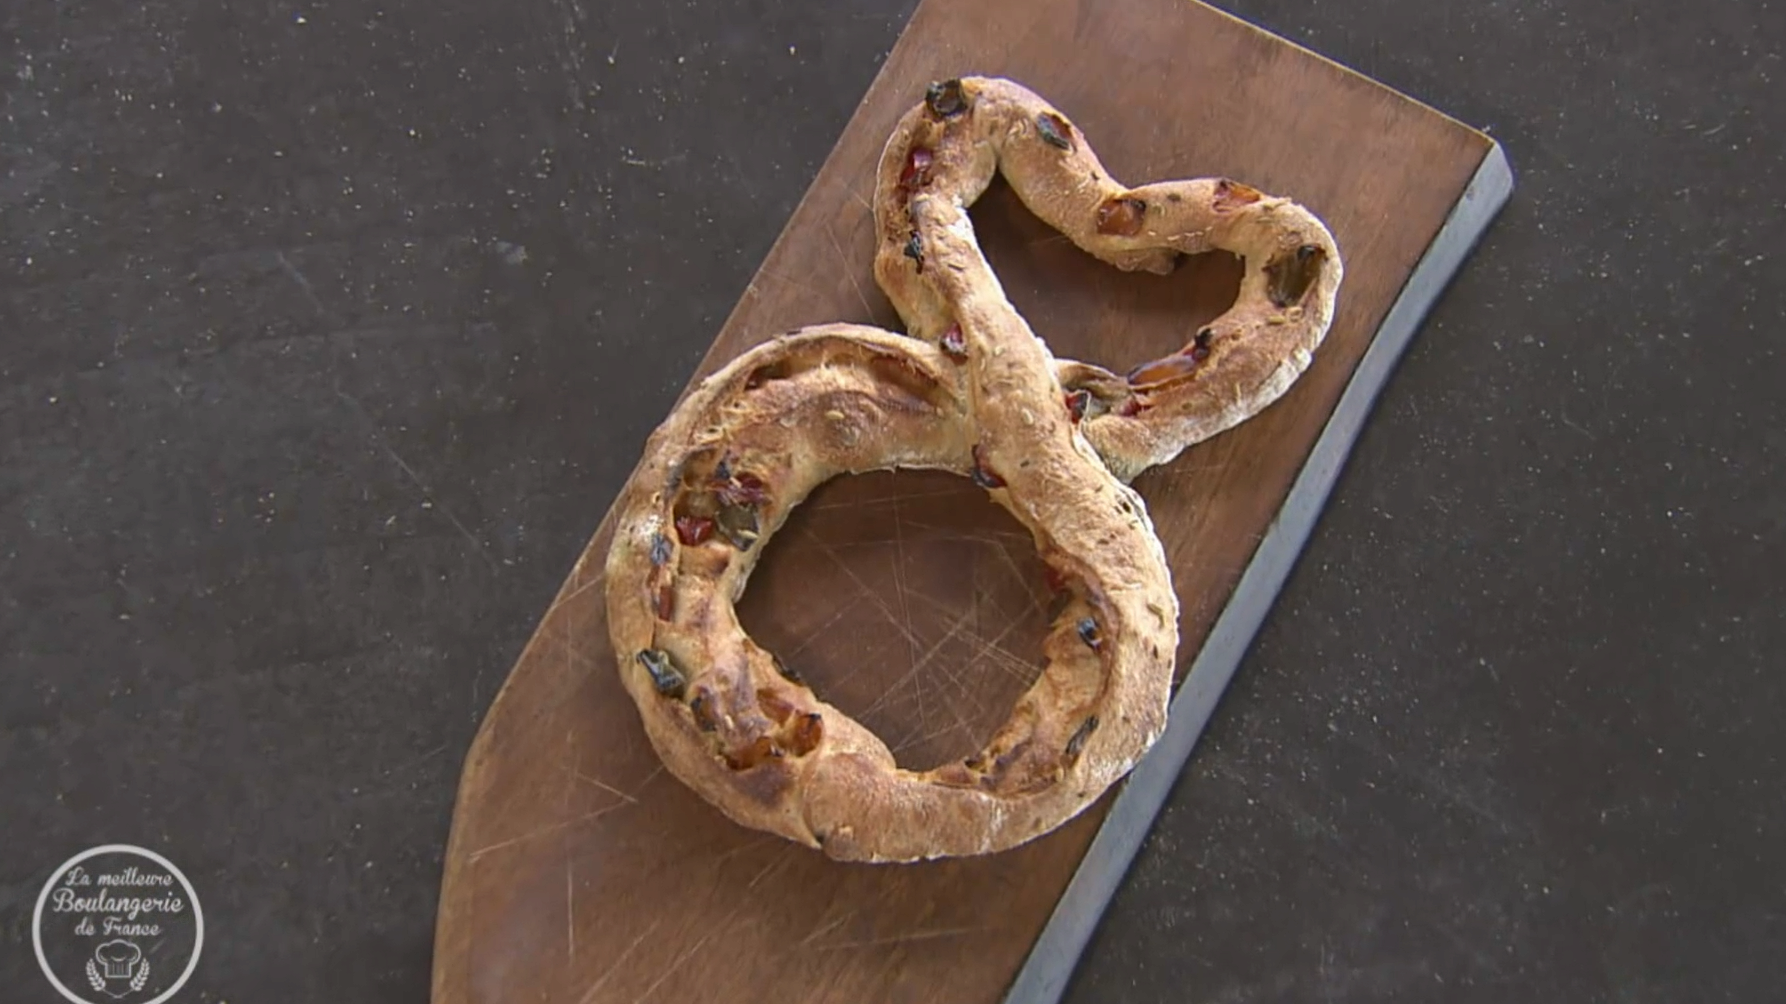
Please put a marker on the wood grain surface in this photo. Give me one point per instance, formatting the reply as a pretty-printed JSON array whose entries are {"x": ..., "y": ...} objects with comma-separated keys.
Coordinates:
[{"x": 579, "y": 872}]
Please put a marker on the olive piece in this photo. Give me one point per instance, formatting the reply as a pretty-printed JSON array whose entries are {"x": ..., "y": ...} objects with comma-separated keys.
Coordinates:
[
  {"x": 1089, "y": 633},
  {"x": 787, "y": 674},
  {"x": 946, "y": 99},
  {"x": 983, "y": 475},
  {"x": 1289, "y": 277},
  {"x": 1080, "y": 735},
  {"x": 914, "y": 249},
  {"x": 668, "y": 680},
  {"x": 738, "y": 525},
  {"x": 1054, "y": 130}
]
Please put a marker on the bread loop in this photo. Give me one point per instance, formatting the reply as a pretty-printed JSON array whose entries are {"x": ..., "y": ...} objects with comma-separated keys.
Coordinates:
[
  {"x": 720, "y": 477},
  {"x": 976, "y": 393},
  {"x": 969, "y": 130}
]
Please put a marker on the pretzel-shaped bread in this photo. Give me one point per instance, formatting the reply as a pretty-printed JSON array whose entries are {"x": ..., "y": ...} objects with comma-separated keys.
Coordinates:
[{"x": 976, "y": 393}]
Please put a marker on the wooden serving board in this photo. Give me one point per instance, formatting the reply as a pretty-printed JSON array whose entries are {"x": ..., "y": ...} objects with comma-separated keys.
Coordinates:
[{"x": 579, "y": 872}]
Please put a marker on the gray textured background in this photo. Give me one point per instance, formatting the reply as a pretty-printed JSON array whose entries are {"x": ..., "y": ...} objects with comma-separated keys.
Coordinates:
[{"x": 328, "y": 331}]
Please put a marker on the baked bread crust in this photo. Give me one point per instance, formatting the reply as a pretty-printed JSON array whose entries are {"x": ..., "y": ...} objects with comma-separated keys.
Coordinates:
[
  {"x": 967, "y": 131},
  {"x": 972, "y": 390},
  {"x": 745, "y": 447}
]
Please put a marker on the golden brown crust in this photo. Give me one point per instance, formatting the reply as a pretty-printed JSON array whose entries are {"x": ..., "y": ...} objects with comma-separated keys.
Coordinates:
[
  {"x": 1226, "y": 371},
  {"x": 762, "y": 433},
  {"x": 978, "y": 394}
]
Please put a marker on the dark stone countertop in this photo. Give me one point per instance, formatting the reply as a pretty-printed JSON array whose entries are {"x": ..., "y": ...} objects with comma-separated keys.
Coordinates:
[{"x": 293, "y": 452}]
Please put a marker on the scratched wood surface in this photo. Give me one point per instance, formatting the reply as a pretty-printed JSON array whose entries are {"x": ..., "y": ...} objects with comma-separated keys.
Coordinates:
[{"x": 579, "y": 872}]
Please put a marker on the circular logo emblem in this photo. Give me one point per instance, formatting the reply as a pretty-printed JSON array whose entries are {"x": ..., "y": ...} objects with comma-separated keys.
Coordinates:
[{"x": 117, "y": 925}]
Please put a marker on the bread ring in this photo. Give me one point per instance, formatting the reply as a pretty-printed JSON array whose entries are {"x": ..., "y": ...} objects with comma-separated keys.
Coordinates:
[
  {"x": 965, "y": 131},
  {"x": 746, "y": 446}
]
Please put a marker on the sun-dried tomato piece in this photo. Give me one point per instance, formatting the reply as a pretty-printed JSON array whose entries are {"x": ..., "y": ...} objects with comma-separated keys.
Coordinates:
[
  {"x": 954, "y": 344},
  {"x": 1077, "y": 402},
  {"x": 774, "y": 706},
  {"x": 1231, "y": 195},
  {"x": 693, "y": 530},
  {"x": 763, "y": 748},
  {"x": 743, "y": 489},
  {"x": 1163, "y": 371},
  {"x": 1122, "y": 217},
  {"x": 916, "y": 172},
  {"x": 807, "y": 732}
]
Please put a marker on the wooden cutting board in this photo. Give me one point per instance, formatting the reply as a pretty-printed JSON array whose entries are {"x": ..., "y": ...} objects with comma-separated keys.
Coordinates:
[{"x": 579, "y": 872}]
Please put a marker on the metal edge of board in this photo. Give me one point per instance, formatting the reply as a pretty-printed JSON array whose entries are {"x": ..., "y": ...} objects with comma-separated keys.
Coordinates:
[{"x": 1056, "y": 952}]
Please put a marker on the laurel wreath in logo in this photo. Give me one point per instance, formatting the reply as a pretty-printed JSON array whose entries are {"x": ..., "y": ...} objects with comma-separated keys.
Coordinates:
[{"x": 93, "y": 977}]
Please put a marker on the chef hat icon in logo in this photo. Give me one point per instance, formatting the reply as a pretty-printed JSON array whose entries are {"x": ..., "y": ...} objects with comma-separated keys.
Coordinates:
[{"x": 118, "y": 960}]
